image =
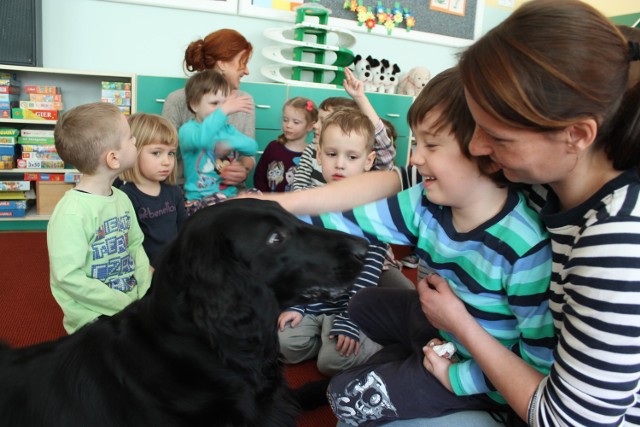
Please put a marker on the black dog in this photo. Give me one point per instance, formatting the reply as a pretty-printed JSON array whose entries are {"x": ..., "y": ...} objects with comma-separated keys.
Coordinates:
[{"x": 201, "y": 349}]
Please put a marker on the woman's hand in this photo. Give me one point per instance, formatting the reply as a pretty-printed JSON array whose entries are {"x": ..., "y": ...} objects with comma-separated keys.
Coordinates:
[{"x": 438, "y": 366}]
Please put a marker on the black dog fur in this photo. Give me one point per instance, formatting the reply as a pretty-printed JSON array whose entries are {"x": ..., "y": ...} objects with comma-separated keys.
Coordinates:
[{"x": 201, "y": 348}]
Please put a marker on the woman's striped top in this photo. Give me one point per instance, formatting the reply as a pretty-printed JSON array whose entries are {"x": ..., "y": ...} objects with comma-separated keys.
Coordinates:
[{"x": 595, "y": 300}]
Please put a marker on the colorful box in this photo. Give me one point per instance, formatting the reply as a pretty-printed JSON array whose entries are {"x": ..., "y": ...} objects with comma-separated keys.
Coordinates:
[
  {"x": 26, "y": 114},
  {"x": 36, "y": 140},
  {"x": 13, "y": 213},
  {"x": 37, "y": 132},
  {"x": 72, "y": 177},
  {"x": 10, "y": 82},
  {"x": 39, "y": 164},
  {"x": 9, "y": 105},
  {"x": 38, "y": 148},
  {"x": 5, "y": 97},
  {"x": 37, "y": 105},
  {"x": 46, "y": 90},
  {"x": 7, "y": 164},
  {"x": 13, "y": 204},
  {"x": 44, "y": 177},
  {"x": 14, "y": 186},
  {"x": 117, "y": 101},
  {"x": 41, "y": 156},
  {"x": 7, "y": 150},
  {"x": 10, "y": 89},
  {"x": 40, "y": 97},
  {"x": 9, "y": 132},
  {"x": 116, "y": 85},
  {"x": 48, "y": 194}
]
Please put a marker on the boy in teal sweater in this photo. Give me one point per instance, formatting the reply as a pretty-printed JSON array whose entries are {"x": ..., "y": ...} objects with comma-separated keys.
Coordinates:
[{"x": 208, "y": 142}]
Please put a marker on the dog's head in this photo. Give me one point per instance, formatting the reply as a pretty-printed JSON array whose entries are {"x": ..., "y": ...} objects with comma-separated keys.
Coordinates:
[{"x": 245, "y": 249}]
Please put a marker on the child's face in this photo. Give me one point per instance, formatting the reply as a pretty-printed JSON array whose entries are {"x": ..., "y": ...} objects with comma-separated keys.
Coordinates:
[
  {"x": 317, "y": 127},
  {"x": 294, "y": 124},
  {"x": 127, "y": 153},
  {"x": 342, "y": 155},
  {"x": 448, "y": 175},
  {"x": 209, "y": 103},
  {"x": 156, "y": 161}
]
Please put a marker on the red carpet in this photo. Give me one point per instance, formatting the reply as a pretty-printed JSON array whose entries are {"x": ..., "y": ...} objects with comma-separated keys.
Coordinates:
[{"x": 28, "y": 312}]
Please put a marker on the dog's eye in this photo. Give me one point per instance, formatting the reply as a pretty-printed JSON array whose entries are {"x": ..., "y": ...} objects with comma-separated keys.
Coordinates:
[{"x": 275, "y": 239}]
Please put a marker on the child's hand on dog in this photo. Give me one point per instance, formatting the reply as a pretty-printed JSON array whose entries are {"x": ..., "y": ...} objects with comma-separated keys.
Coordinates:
[{"x": 288, "y": 316}]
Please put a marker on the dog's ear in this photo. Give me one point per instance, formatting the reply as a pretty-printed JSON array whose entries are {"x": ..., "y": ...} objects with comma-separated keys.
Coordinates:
[
  {"x": 219, "y": 285},
  {"x": 223, "y": 307}
]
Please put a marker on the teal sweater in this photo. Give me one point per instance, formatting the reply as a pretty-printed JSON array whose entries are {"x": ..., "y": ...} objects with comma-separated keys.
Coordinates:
[{"x": 197, "y": 143}]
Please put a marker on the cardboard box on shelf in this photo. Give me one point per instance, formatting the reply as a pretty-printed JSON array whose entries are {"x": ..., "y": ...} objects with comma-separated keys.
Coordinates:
[{"x": 48, "y": 193}]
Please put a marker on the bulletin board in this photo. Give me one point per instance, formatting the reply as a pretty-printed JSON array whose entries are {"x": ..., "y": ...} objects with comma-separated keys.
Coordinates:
[{"x": 448, "y": 22}]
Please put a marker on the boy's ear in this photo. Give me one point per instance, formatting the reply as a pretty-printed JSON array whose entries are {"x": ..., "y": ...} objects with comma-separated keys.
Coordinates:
[
  {"x": 370, "y": 159},
  {"x": 318, "y": 156},
  {"x": 112, "y": 160}
]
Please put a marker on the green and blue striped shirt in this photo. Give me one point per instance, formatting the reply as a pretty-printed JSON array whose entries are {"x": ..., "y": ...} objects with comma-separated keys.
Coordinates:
[{"x": 500, "y": 270}]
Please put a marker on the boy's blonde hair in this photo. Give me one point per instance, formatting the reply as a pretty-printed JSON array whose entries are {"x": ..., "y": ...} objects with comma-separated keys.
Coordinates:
[
  {"x": 84, "y": 133},
  {"x": 204, "y": 82},
  {"x": 335, "y": 102},
  {"x": 151, "y": 129},
  {"x": 350, "y": 120}
]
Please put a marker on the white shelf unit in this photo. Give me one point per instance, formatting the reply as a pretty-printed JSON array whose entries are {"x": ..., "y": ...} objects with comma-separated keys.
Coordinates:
[{"x": 78, "y": 87}]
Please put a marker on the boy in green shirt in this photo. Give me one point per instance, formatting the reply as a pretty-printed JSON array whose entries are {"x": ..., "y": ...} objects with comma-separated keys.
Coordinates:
[{"x": 97, "y": 262}]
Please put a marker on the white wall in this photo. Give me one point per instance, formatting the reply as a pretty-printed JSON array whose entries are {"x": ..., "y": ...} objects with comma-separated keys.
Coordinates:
[{"x": 95, "y": 35}]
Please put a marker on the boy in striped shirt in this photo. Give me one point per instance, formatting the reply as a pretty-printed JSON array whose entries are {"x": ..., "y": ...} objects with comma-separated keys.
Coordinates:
[
  {"x": 473, "y": 230},
  {"x": 323, "y": 329}
]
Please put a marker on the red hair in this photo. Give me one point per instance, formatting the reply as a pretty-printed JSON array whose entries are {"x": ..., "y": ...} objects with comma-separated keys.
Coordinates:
[{"x": 221, "y": 45}]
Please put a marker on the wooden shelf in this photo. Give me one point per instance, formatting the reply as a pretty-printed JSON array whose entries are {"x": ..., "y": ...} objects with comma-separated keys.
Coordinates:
[{"x": 78, "y": 87}]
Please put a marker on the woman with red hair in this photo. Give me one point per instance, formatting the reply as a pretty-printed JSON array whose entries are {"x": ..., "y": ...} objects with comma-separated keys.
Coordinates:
[{"x": 228, "y": 52}]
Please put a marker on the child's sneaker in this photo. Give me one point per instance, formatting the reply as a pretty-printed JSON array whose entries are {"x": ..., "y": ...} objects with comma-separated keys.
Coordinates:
[{"x": 410, "y": 261}]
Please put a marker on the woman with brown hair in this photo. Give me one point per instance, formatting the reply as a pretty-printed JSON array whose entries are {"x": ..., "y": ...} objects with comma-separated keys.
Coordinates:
[
  {"x": 227, "y": 51},
  {"x": 548, "y": 89}
]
